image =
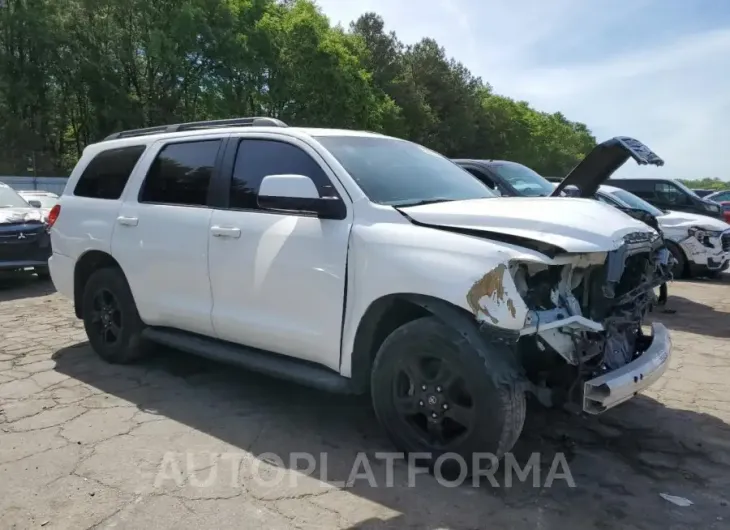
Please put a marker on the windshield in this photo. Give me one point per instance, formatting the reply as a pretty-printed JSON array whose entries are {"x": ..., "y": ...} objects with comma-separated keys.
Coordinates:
[
  {"x": 9, "y": 198},
  {"x": 400, "y": 173},
  {"x": 523, "y": 179},
  {"x": 47, "y": 201},
  {"x": 636, "y": 202}
]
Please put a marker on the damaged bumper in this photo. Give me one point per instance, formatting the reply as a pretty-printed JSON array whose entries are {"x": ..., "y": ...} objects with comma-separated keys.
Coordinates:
[
  {"x": 707, "y": 252},
  {"x": 615, "y": 387}
]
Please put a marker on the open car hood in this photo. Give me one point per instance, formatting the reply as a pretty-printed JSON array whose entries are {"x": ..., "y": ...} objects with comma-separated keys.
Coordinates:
[
  {"x": 20, "y": 215},
  {"x": 603, "y": 161}
]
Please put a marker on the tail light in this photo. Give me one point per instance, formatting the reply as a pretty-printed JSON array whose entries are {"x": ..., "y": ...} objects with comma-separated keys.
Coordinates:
[{"x": 53, "y": 215}]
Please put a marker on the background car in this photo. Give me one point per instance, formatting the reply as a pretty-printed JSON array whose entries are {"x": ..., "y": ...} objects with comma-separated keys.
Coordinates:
[
  {"x": 45, "y": 200},
  {"x": 697, "y": 242},
  {"x": 24, "y": 241},
  {"x": 719, "y": 196},
  {"x": 668, "y": 194},
  {"x": 726, "y": 210},
  {"x": 700, "y": 244},
  {"x": 508, "y": 179},
  {"x": 702, "y": 193}
]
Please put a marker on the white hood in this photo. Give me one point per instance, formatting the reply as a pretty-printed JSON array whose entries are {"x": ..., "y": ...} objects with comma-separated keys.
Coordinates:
[
  {"x": 21, "y": 215},
  {"x": 576, "y": 225},
  {"x": 672, "y": 221}
]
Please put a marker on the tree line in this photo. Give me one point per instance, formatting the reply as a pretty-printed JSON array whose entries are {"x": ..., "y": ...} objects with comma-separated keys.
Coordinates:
[
  {"x": 73, "y": 71},
  {"x": 714, "y": 184}
]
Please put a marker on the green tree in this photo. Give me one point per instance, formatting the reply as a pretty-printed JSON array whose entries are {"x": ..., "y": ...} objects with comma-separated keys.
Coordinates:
[{"x": 73, "y": 71}]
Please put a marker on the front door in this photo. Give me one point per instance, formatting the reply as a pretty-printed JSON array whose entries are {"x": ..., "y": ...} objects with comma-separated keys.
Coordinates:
[
  {"x": 278, "y": 279},
  {"x": 669, "y": 196},
  {"x": 161, "y": 237}
]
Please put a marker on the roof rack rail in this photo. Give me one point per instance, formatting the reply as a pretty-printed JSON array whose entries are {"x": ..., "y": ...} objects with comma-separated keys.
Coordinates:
[{"x": 195, "y": 125}]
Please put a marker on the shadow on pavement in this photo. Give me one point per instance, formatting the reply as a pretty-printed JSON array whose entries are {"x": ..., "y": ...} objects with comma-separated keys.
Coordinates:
[
  {"x": 721, "y": 279},
  {"x": 693, "y": 317},
  {"x": 620, "y": 463},
  {"x": 17, "y": 286}
]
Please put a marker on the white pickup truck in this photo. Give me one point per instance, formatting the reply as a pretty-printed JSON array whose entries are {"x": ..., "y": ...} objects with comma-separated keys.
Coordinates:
[{"x": 356, "y": 262}]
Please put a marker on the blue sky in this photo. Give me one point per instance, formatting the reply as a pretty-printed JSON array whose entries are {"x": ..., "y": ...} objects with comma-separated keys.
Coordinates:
[{"x": 656, "y": 70}]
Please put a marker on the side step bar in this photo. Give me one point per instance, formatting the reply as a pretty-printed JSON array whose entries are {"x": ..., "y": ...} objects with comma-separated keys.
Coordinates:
[{"x": 302, "y": 372}]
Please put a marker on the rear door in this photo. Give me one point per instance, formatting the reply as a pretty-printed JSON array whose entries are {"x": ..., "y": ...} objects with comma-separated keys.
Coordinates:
[
  {"x": 161, "y": 233},
  {"x": 91, "y": 202}
]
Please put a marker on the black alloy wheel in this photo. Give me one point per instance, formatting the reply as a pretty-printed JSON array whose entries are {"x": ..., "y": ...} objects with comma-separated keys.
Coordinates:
[
  {"x": 433, "y": 401},
  {"x": 106, "y": 316},
  {"x": 110, "y": 316},
  {"x": 435, "y": 393}
]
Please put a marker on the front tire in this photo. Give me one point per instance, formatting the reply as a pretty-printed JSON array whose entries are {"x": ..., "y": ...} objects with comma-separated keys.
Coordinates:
[
  {"x": 680, "y": 267},
  {"x": 110, "y": 317},
  {"x": 434, "y": 393}
]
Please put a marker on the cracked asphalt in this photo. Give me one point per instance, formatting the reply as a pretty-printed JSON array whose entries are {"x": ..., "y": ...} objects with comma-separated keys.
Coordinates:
[{"x": 179, "y": 442}]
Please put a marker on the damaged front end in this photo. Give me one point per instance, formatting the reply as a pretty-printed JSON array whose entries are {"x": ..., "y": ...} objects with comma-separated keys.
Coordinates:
[{"x": 581, "y": 340}]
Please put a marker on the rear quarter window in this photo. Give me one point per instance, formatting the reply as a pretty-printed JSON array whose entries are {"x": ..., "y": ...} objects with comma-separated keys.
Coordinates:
[{"x": 108, "y": 172}]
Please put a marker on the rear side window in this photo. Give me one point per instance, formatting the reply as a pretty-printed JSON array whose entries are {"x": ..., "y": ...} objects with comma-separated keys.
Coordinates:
[
  {"x": 108, "y": 173},
  {"x": 181, "y": 174}
]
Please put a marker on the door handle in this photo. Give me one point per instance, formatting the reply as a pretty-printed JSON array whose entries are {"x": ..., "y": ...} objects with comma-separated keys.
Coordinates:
[
  {"x": 220, "y": 231},
  {"x": 127, "y": 221}
]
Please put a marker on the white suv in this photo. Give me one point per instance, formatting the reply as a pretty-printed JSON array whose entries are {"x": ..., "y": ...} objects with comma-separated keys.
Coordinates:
[{"x": 356, "y": 262}]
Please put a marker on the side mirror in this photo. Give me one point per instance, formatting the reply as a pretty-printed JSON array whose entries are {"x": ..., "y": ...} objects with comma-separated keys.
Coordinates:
[
  {"x": 35, "y": 204},
  {"x": 297, "y": 193}
]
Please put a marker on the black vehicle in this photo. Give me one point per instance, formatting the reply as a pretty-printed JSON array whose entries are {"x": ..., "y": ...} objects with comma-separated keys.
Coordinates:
[
  {"x": 508, "y": 179},
  {"x": 24, "y": 240},
  {"x": 668, "y": 194},
  {"x": 702, "y": 193}
]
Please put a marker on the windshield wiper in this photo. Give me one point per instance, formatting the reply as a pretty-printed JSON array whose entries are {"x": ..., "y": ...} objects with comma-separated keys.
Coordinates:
[{"x": 421, "y": 202}]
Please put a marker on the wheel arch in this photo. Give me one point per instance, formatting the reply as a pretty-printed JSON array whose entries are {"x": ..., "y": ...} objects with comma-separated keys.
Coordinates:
[
  {"x": 386, "y": 314},
  {"x": 86, "y": 265}
]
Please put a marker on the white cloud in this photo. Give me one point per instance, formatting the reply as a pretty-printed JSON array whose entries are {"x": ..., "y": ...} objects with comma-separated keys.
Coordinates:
[{"x": 675, "y": 96}]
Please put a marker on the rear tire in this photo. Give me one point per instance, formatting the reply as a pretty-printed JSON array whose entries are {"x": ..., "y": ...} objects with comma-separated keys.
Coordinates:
[
  {"x": 426, "y": 373},
  {"x": 111, "y": 319}
]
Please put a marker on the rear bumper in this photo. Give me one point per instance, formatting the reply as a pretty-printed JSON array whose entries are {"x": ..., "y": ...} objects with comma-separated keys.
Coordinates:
[
  {"x": 611, "y": 389},
  {"x": 22, "y": 264},
  {"x": 62, "y": 274}
]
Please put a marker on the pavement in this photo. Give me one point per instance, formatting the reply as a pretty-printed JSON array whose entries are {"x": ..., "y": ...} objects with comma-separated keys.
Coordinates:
[{"x": 179, "y": 442}]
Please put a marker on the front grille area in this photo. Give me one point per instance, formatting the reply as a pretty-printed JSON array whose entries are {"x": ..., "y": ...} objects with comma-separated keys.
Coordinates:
[{"x": 726, "y": 241}]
